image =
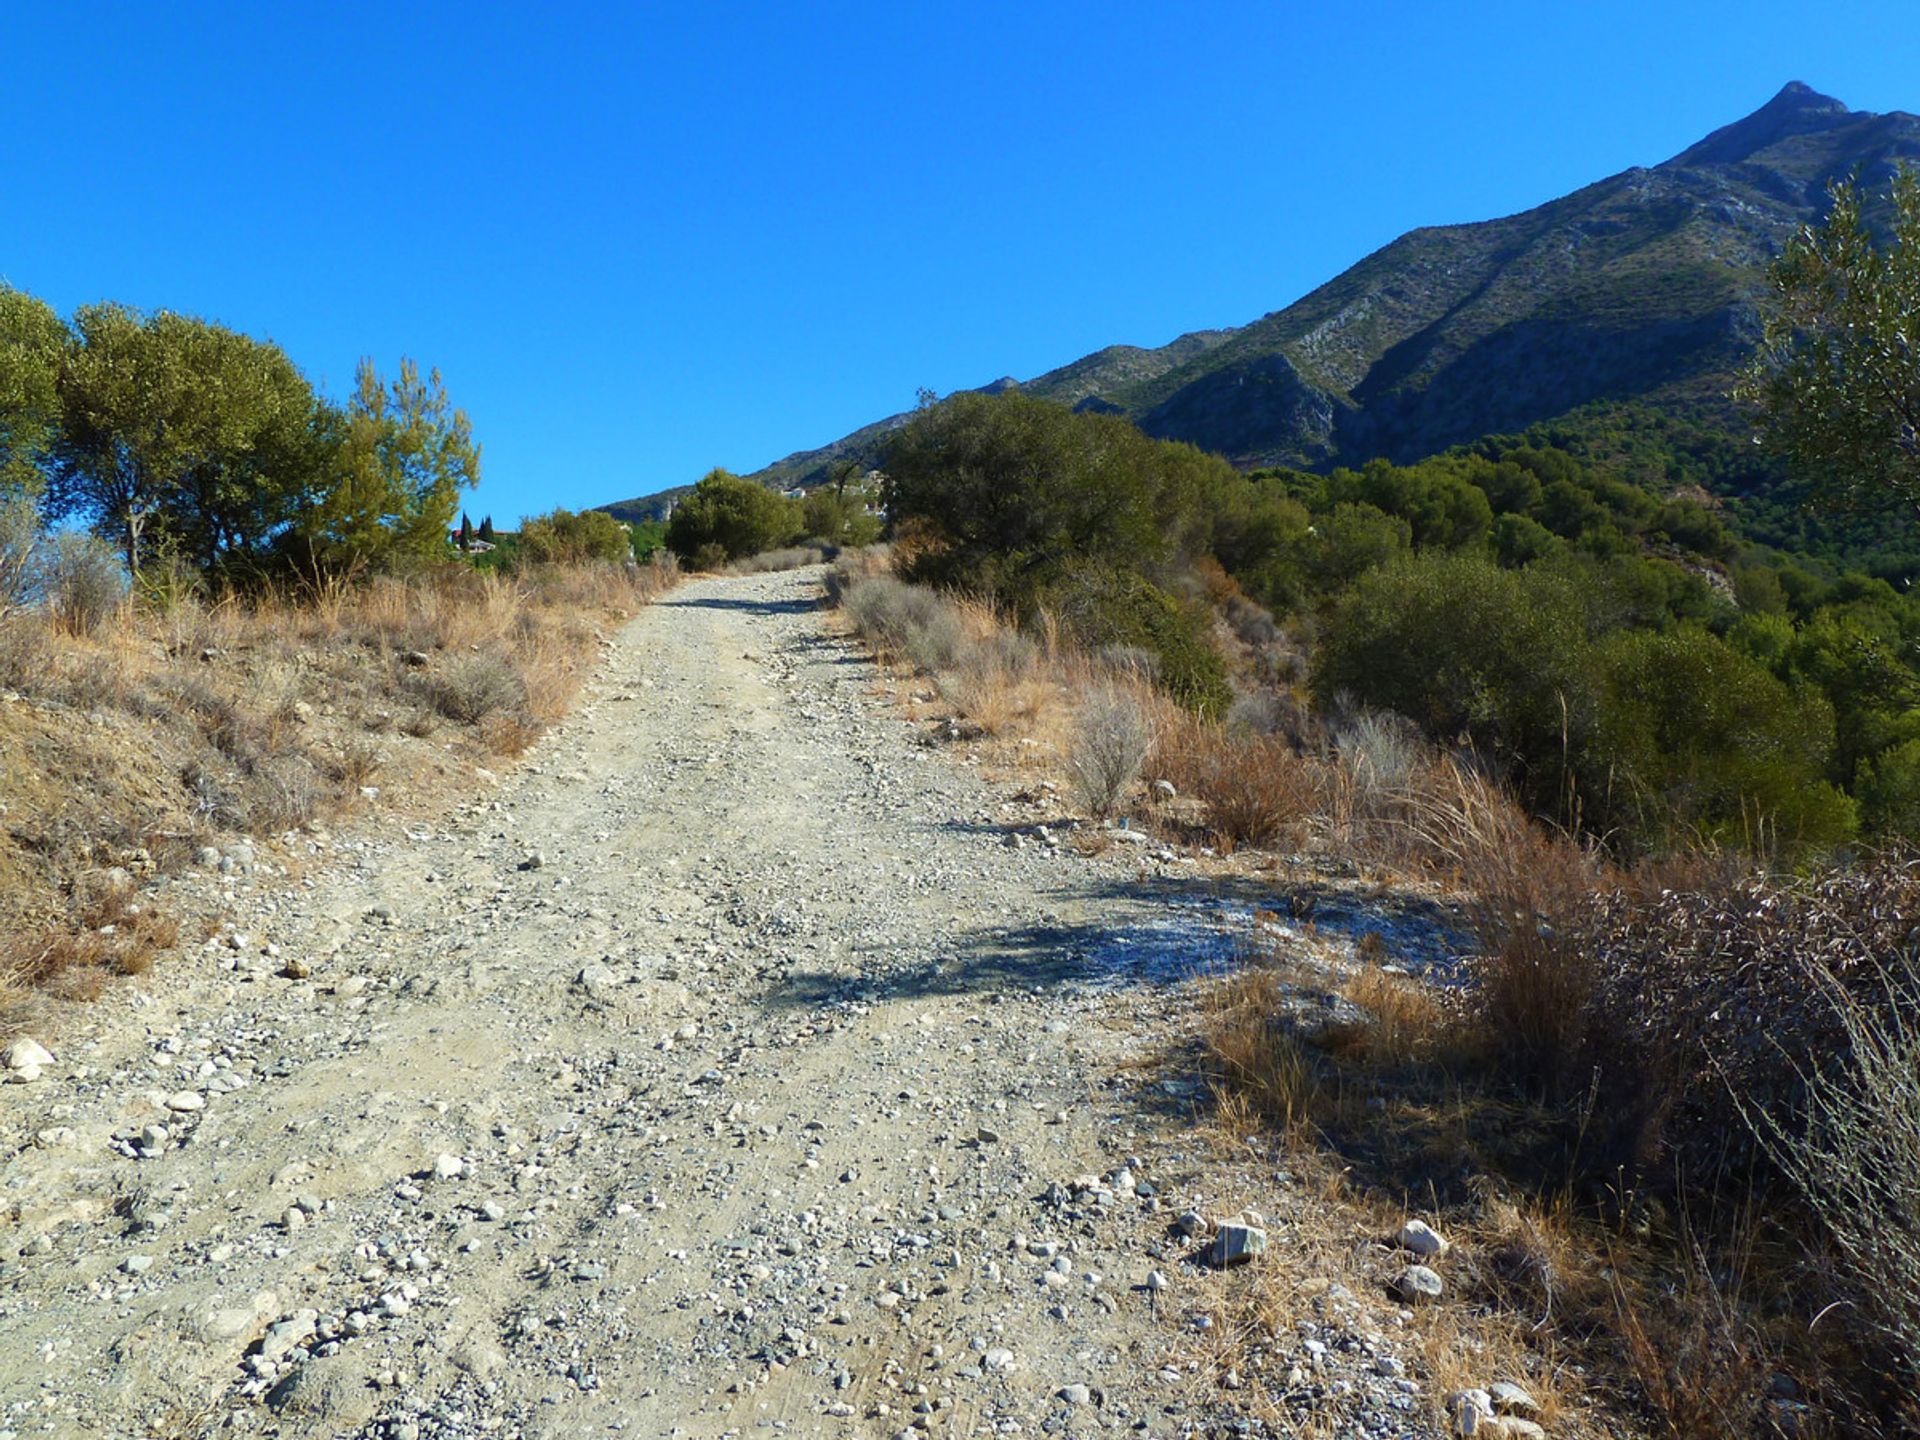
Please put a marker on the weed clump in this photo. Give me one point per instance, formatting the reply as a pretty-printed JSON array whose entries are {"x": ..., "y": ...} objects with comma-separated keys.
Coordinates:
[{"x": 1110, "y": 743}]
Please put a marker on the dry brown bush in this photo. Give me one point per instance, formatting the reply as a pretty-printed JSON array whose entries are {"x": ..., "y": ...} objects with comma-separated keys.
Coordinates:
[
  {"x": 1112, "y": 737},
  {"x": 470, "y": 689},
  {"x": 1257, "y": 1058},
  {"x": 1254, "y": 787}
]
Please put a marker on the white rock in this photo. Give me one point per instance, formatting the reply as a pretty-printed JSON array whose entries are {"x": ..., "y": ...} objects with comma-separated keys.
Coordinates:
[
  {"x": 1422, "y": 1239},
  {"x": 1509, "y": 1399},
  {"x": 25, "y": 1053},
  {"x": 185, "y": 1100},
  {"x": 448, "y": 1167}
]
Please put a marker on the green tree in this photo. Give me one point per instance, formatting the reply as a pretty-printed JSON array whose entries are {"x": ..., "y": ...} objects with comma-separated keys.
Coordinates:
[
  {"x": 486, "y": 530},
  {"x": 729, "y": 517},
  {"x": 1006, "y": 489},
  {"x": 838, "y": 516},
  {"x": 562, "y": 537},
  {"x": 1469, "y": 650},
  {"x": 1702, "y": 741},
  {"x": 33, "y": 341},
  {"x": 1837, "y": 376},
  {"x": 170, "y": 421},
  {"x": 401, "y": 455}
]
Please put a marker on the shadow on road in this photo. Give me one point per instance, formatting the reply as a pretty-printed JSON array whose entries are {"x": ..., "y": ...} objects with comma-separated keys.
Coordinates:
[
  {"x": 802, "y": 606},
  {"x": 1154, "y": 931}
]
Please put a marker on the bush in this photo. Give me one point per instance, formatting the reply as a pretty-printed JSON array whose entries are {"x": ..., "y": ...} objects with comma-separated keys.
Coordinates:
[
  {"x": 562, "y": 537},
  {"x": 85, "y": 582},
  {"x": 26, "y": 651},
  {"x": 838, "y": 517},
  {"x": 1111, "y": 738},
  {"x": 1703, "y": 742},
  {"x": 22, "y": 541},
  {"x": 1856, "y": 1156},
  {"x": 907, "y": 622},
  {"x": 792, "y": 557},
  {"x": 1465, "y": 649},
  {"x": 470, "y": 688},
  {"x": 1252, "y": 786},
  {"x": 1104, "y": 608},
  {"x": 727, "y": 518}
]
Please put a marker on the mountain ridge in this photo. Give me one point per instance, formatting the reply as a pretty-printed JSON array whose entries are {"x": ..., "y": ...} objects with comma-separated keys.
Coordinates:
[{"x": 1637, "y": 287}]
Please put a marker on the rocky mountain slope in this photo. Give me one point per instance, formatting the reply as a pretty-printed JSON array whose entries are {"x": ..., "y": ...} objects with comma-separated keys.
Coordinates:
[{"x": 1639, "y": 287}]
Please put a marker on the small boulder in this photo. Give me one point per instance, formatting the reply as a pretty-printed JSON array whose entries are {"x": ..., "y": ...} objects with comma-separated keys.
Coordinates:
[
  {"x": 1510, "y": 1399},
  {"x": 1236, "y": 1245},
  {"x": 1416, "y": 1285},
  {"x": 448, "y": 1167},
  {"x": 26, "y": 1053},
  {"x": 1422, "y": 1239}
]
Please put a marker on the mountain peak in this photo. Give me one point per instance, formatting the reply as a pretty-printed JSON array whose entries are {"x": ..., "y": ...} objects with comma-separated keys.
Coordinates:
[{"x": 1798, "y": 109}]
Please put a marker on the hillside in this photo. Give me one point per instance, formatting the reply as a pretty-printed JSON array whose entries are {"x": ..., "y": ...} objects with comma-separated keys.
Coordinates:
[{"x": 1637, "y": 288}]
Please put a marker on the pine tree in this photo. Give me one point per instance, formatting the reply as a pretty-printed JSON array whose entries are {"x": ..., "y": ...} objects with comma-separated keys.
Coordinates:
[
  {"x": 486, "y": 529},
  {"x": 466, "y": 531}
]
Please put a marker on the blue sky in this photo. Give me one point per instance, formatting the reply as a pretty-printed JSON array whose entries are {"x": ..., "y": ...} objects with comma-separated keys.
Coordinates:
[{"x": 641, "y": 241}]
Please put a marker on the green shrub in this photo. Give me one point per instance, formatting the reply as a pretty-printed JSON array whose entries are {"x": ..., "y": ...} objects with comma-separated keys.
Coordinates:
[
  {"x": 1466, "y": 649},
  {"x": 728, "y": 518},
  {"x": 562, "y": 537},
  {"x": 1699, "y": 738},
  {"x": 1107, "y": 609},
  {"x": 838, "y": 517}
]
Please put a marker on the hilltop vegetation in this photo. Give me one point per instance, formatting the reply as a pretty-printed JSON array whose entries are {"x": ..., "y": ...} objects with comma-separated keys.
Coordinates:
[{"x": 1619, "y": 655}]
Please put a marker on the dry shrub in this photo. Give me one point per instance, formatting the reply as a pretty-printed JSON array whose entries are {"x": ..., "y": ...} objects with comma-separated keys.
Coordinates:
[
  {"x": 1111, "y": 740},
  {"x": 1856, "y": 1158},
  {"x": 793, "y": 557},
  {"x": 470, "y": 688},
  {"x": 509, "y": 735},
  {"x": 110, "y": 934},
  {"x": 1253, "y": 786},
  {"x": 356, "y": 765},
  {"x": 1692, "y": 1343},
  {"x": 26, "y": 652},
  {"x": 1257, "y": 1059},
  {"x": 994, "y": 681},
  {"x": 907, "y": 622},
  {"x": 85, "y": 583},
  {"x": 1406, "y": 1022},
  {"x": 853, "y": 567},
  {"x": 282, "y": 793}
]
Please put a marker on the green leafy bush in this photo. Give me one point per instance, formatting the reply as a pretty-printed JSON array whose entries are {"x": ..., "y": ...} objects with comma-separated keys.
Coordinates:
[
  {"x": 562, "y": 537},
  {"x": 728, "y": 518}
]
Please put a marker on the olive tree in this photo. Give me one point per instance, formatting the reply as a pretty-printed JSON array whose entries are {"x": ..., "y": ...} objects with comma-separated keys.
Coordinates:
[{"x": 1837, "y": 376}]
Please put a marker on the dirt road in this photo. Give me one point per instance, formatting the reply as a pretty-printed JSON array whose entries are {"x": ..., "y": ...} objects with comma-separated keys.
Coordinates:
[{"x": 724, "y": 1070}]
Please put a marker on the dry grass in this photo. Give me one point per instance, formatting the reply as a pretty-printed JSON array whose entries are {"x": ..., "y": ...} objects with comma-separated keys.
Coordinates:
[
  {"x": 1254, "y": 788},
  {"x": 166, "y": 723}
]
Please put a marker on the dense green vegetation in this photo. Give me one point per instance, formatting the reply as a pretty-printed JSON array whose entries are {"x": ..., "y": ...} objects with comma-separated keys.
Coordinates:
[
  {"x": 177, "y": 439},
  {"x": 1599, "y": 631},
  {"x": 1079, "y": 515},
  {"x": 726, "y": 517}
]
